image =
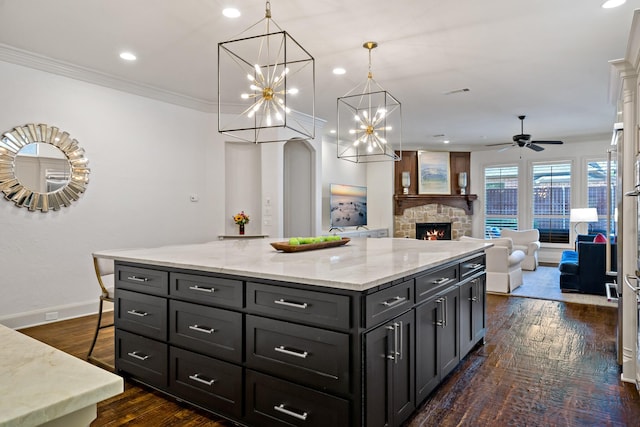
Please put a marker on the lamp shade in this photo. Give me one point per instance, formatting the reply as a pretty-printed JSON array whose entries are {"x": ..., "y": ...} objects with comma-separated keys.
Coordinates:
[{"x": 583, "y": 215}]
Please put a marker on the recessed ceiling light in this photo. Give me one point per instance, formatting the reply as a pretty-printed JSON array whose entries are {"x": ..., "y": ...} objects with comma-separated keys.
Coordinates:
[
  {"x": 612, "y": 3},
  {"x": 128, "y": 56},
  {"x": 332, "y": 131},
  {"x": 231, "y": 12},
  {"x": 446, "y": 141},
  {"x": 339, "y": 71}
]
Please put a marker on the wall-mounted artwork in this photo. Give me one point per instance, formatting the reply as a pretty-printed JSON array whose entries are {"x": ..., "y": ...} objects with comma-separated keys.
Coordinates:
[{"x": 433, "y": 170}]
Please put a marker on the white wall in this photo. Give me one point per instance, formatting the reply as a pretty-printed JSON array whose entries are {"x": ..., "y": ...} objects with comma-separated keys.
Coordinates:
[
  {"x": 578, "y": 152},
  {"x": 146, "y": 158}
]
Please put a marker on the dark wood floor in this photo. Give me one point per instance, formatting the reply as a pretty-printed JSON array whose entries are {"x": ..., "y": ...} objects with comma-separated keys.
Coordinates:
[{"x": 545, "y": 363}]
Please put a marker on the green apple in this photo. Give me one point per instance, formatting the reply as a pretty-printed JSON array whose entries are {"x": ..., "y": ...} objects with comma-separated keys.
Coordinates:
[{"x": 294, "y": 241}]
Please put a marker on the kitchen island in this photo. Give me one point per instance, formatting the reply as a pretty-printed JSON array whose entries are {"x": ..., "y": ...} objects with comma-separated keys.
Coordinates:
[{"x": 355, "y": 335}]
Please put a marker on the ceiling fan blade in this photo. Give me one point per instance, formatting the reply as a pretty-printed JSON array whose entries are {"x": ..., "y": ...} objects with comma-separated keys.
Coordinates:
[
  {"x": 501, "y": 143},
  {"x": 535, "y": 147},
  {"x": 505, "y": 148},
  {"x": 547, "y": 142}
]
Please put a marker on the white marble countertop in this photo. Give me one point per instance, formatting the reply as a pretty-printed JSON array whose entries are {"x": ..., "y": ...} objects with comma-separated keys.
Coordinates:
[
  {"x": 359, "y": 265},
  {"x": 39, "y": 383}
]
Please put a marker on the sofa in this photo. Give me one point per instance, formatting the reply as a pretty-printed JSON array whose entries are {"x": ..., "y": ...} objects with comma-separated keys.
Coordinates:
[
  {"x": 504, "y": 272},
  {"x": 528, "y": 241},
  {"x": 584, "y": 270}
]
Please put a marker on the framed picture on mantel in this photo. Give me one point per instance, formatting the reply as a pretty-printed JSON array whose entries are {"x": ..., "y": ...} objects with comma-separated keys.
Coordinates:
[{"x": 433, "y": 172}]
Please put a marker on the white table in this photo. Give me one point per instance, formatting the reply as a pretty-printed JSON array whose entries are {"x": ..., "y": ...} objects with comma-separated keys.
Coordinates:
[{"x": 41, "y": 385}]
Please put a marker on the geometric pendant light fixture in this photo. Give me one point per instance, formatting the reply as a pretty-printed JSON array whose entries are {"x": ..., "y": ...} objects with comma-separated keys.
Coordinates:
[
  {"x": 266, "y": 86},
  {"x": 369, "y": 122}
]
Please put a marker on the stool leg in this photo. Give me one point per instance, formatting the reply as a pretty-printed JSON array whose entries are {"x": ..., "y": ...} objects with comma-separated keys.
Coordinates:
[{"x": 95, "y": 336}]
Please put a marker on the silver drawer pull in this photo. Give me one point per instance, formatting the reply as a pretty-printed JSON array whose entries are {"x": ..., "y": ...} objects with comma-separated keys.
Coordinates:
[
  {"x": 283, "y": 349},
  {"x": 138, "y": 279},
  {"x": 291, "y": 304},
  {"x": 393, "y": 301},
  {"x": 281, "y": 408},
  {"x": 202, "y": 329},
  {"x": 140, "y": 356},
  {"x": 138, "y": 313},
  {"x": 474, "y": 266},
  {"x": 196, "y": 377},
  {"x": 201, "y": 289},
  {"x": 441, "y": 281}
]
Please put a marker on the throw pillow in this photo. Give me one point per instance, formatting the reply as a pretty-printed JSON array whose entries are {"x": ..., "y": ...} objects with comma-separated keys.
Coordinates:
[{"x": 599, "y": 238}]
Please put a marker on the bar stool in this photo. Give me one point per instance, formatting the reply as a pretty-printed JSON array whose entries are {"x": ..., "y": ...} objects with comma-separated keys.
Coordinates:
[{"x": 105, "y": 274}]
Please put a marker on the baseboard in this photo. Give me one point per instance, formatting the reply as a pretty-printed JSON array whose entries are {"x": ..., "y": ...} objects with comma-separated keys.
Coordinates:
[
  {"x": 50, "y": 314},
  {"x": 548, "y": 264}
]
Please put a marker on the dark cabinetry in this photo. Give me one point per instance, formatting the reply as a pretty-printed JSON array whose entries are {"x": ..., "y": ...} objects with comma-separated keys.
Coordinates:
[
  {"x": 472, "y": 313},
  {"x": 265, "y": 353},
  {"x": 437, "y": 339},
  {"x": 390, "y": 368}
]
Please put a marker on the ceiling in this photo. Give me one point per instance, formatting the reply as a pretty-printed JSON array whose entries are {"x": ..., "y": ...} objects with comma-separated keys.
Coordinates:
[{"x": 545, "y": 59}]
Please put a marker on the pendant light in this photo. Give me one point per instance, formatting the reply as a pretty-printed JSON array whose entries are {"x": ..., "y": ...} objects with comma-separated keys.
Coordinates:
[
  {"x": 369, "y": 122},
  {"x": 266, "y": 86}
]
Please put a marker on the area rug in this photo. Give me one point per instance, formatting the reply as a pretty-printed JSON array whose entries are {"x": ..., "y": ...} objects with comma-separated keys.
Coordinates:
[{"x": 544, "y": 283}]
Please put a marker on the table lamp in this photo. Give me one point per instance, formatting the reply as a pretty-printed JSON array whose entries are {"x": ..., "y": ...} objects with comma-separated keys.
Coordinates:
[{"x": 580, "y": 215}]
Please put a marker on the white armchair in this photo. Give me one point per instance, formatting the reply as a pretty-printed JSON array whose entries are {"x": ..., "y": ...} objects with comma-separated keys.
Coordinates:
[
  {"x": 528, "y": 241},
  {"x": 504, "y": 272}
]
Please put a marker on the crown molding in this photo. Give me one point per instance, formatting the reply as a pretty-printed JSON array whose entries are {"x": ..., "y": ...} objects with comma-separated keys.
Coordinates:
[{"x": 36, "y": 61}]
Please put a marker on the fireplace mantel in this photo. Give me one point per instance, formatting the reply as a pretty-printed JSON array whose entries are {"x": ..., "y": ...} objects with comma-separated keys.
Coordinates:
[{"x": 402, "y": 201}]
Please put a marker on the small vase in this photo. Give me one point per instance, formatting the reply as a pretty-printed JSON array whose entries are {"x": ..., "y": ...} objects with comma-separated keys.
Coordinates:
[{"x": 241, "y": 229}]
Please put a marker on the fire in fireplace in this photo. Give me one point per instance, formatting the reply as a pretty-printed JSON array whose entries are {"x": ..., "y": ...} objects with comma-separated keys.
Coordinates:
[{"x": 433, "y": 230}]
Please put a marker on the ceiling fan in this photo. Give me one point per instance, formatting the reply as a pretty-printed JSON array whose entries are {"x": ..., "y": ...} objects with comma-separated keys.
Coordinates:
[{"x": 524, "y": 140}]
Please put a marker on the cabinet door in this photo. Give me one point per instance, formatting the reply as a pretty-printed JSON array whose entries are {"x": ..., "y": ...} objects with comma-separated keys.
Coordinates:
[
  {"x": 480, "y": 309},
  {"x": 472, "y": 314},
  {"x": 429, "y": 319},
  {"x": 404, "y": 402},
  {"x": 449, "y": 338},
  {"x": 467, "y": 332},
  {"x": 389, "y": 375}
]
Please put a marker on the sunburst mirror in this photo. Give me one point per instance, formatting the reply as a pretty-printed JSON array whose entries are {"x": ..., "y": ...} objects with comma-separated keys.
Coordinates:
[{"x": 41, "y": 167}]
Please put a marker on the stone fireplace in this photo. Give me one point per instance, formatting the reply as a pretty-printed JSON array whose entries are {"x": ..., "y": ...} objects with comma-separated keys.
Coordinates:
[
  {"x": 433, "y": 230},
  {"x": 405, "y": 224}
]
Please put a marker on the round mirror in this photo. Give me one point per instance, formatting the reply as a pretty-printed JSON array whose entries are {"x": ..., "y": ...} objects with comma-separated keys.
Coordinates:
[{"x": 41, "y": 167}]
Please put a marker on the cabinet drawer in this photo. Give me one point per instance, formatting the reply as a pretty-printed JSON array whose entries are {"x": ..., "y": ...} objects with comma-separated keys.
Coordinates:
[
  {"x": 207, "y": 330},
  {"x": 301, "y": 305},
  {"x": 304, "y": 354},
  {"x": 471, "y": 266},
  {"x": 387, "y": 303},
  {"x": 206, "y": 290},
  {"x": 144, "y": 280},
  {"x": 142, "y": 357},
  {"x": 208, "y": 382},
  {"x": 140, "y": 313},
  {"x": 432, "y": 282},
  {"x": 274, "y": 402}
]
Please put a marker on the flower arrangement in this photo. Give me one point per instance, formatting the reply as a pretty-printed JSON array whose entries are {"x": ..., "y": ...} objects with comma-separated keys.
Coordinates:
[{"x": 241, "y": 218}]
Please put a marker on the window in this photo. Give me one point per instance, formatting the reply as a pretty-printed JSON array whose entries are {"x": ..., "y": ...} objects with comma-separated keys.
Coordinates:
[
  {"x": 501, "y": 195},
  {"x": 552, "y": 201},
  {"x": 597, "y": 188}
]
